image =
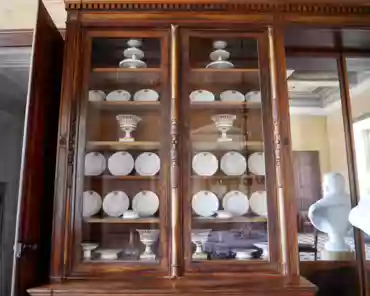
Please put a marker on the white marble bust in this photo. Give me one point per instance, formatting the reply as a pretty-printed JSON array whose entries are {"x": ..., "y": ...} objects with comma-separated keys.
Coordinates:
[
  {"x": 360, "y": 215},
  {"x": 330, "y": 214}
]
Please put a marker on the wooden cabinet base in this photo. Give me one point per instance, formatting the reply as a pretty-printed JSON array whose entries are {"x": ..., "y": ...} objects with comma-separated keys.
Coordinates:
[{"x": 250, "y": 286}]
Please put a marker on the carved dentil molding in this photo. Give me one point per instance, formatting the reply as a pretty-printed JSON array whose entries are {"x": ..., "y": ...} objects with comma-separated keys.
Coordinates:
[{"x": 326, "y": 9}]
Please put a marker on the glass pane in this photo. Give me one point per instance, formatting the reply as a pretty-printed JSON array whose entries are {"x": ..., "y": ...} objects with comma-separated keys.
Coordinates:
[
  {"x": 14, "y": 76},
  {"x": 359, "y": 75},
  {"x": 320, "y": 160},
  {"x": 121, "y": 195},
  {"x": 226, "y": 159}
]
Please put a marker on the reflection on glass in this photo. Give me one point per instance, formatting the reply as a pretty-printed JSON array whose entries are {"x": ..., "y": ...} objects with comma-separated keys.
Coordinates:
[
  {"x": 122, "y": 168},
  {"x": 226, "y": 162},
  {"x": 320, "y": 161},
  {"x": 359, "y": 75}
]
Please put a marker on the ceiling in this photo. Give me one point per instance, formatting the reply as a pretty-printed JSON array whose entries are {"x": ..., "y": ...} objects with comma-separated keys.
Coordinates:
[{"x": 20, "y": 14}]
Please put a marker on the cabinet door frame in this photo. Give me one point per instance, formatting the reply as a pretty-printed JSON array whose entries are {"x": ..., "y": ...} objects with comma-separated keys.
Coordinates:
[
  {"x": 274, "y": 265},
  {"x": 76, "y": 268}
]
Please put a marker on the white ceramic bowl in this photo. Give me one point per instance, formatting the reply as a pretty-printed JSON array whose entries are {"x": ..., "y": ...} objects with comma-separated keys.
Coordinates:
[
  {"x": 244, "y": 254},
  {"x": 224, "y": 215},
  {"x": 130, "y": 215},
  {"x": 108, "y": 254}
]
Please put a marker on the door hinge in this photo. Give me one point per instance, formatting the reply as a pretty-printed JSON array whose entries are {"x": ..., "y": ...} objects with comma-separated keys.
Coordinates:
[{"x": 21, "y": 248}]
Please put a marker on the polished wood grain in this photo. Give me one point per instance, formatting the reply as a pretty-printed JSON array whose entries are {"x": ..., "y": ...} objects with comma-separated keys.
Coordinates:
[
  {"x": 289, "y": 215},
  {"x": 117, "y": 146},
  {"x": 207, "y": 285},
  {"x": 38, "y": 160},
  {"x": 352, "y": 170},
  {"x": 126, "y": 105}
]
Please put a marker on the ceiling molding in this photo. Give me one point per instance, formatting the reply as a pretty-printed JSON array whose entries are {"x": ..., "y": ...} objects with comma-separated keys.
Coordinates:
[{"x": 329, "y": 8}]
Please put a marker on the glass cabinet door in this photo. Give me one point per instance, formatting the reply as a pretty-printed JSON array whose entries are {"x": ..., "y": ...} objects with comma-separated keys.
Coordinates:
[
  {"x": 227, "y": 201},
  {"x": 121, "y": 202}
]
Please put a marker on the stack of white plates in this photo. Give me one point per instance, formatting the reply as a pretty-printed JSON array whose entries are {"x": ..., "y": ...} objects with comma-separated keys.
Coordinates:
[
  {"x": 202, "y": 95},
  {"x": 256, "y": 164},
  {"x": 145, "y": 203},
  {"x": 95, "y": 164},
  {"x": 232, "y": 96},
  {"x": 118, "y": 95},
  {"x": 116, "y": 203},
  {"x": 147, "y": 164},
  {"x": 205, "y": 164},
  {"x": 96, "y": 95},
  {"x": 146, "y": 95},
  {"x": 258, "y": 203},
  {"x": 91, "y": 203},
  {"x": 205, "y": 203},
  {"x": 253, "y": 96},
  {"x": 236, "y": 203},
  {"x": 233, "y": 164},
  {"x": 121, "y": 163}
]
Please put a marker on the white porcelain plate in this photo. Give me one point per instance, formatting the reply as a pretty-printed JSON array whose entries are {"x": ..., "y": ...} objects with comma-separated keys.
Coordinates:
[
  {"x": 145, "y": 203},
  {"x": 121, "y": 163},
  {"x": 116, "y": 203},
  {"x": 146, "y": 95},
  {"x": 96, "y": 95},
  {"x": 253, "y": 96},
  {"x": 147, "y": 164},
  {"x": 233, "y": 164},
  {"x": 202, "y": 95},
  {"x": 95, "y": 164},
  {"x": 205, "y": 164},
  {"x": 132, "y": 64},
  {"x": 256, "y": 164},
  {"x": 258, "y": 203},
  {"x": 205, "y": 203},
  {"x": 232, "y": 96},
  {"x": 118, "y": 95},
  {"x": 236, "y": 203},
  {"x": 91, "y": 203},
  {"x": 220, "y": 65}
]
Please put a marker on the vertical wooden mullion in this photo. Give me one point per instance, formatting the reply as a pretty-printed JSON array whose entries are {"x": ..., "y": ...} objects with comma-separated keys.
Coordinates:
[
  {"x": 352, "y": 170},
  {"x": 287, "y": 198},
  {"x": 67, "y": 114},
  {"x": 174, "y": 166}
]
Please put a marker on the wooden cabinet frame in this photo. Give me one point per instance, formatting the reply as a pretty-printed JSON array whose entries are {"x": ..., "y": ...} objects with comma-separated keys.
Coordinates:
[{"x": 178, "y": 19}]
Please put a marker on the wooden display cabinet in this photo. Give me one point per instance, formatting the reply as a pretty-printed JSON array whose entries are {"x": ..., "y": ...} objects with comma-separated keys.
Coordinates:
[{"x": 193, "y": 251}]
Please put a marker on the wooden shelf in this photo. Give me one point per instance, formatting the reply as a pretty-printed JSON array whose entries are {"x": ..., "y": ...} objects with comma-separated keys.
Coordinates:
[
  {"x": 230, "y": 70},
  {"x": 213, "y": 146},
  {"x": 102, "y": 78},
  {"x": 225, "y": 105},
  {"x": 110, "y": 220},
  {"x": 247, "y": 77},
  {"x": 125, "y": 70},
  {"x": 256, "y": 219},
  {"x": 125, "y": 105},
  {"x": 123, "y": 178},
  {"x": 243, "y": 177},
  {"x": 117, "y": 146}
]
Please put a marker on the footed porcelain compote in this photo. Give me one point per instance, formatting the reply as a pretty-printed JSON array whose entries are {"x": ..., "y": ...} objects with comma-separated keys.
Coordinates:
[
  {"x": 199, "y": 238},
  {"x": 127, "y": 123},
  {"x": 224, "y": 123},
  {"x": 330, "y": 215},
  {"x": 133, "y": 55},
  {"x": 87, "y": 249},
  {"x": 148, "y": 237}
]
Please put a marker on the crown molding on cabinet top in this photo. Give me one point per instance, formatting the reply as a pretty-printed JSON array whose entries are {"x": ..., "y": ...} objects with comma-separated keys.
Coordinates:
[{"x": 327, "y": 7}]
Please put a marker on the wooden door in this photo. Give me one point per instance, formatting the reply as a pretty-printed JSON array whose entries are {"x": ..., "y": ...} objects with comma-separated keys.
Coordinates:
[
  {"x": 307, "y": 178},
  {"x": 35, "y": 207}
]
